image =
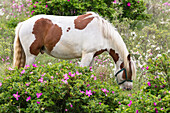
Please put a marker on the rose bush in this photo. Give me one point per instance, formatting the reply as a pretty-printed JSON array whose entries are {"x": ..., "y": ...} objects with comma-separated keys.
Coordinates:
[{"x": 56, "y": 88}]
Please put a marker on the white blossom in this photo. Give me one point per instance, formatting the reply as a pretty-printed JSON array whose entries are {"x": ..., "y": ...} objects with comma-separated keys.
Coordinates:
[{"x": 1, "y": 12}]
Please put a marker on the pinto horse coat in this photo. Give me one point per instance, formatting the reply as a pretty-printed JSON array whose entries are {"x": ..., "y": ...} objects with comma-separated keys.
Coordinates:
[{"x": 67, "y": 37}]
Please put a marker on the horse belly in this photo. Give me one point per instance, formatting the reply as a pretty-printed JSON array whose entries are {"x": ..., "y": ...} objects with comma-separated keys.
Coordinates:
[{"x": 66, "y": 50}]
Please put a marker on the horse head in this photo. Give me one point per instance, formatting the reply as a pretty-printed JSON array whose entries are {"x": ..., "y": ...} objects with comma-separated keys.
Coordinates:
[{"x": 125, "y": 74}]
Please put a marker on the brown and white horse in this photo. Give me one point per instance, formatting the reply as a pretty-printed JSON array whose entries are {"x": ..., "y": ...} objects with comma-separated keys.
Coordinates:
[{"x": 67, "y": 37}]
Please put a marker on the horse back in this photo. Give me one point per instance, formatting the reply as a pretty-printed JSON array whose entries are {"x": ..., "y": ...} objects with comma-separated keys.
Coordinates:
[{"x": 61, "y": 35}]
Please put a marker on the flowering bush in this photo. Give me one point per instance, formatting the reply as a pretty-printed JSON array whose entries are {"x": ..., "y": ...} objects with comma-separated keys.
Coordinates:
[
  {"x": 56, "y": 88},
  {"x": 159, "y": 75},
  {"x": 154, "y": 95},
  {"x": 133, "y": 9}
]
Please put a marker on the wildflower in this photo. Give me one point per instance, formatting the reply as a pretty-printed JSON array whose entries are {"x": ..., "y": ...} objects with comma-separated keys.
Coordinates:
[
  {"x": 0, "y": 84},
  {"x": 88, "y": 93},
  {"x": 137, "y": 111},
  {"x": 38, "y": 95},
  {"x": 52, "y": 77},
  {"x": 147, "y": 67},
  {"x": 26, "y": 66},
  {"x": 156, "y": 110},
  {"x": 16, "y": 96},
  {"x": 66, "y": 77},
  {"x": 66, "y": 109},
  {"x": 68, "y": 0},
  {"x": 46, "y": 6},
  {"x": 82, "y": 91},
  {"x": 34, "y": 65},
  {"x": 28, "y": 98},
  {"x": 38, "y": 102},
  {"x": 149, "y": 84},
  {"x": 10, "y": 68},
  {"x": 27, "y": 84},
  {"x": 100, "y": 103},
  {"x": 23, "y": 71},
  {"x": 43, "y": 74},
  {"x": 129, "y": 95},
  {"x": 161, "y": 108},
  {"x": 92, "y": 76},
  {"x": 119, "y": 103},
  {"x": 41, "y": 80},
  {"x": 36, "y": 2},
  {"x": 49, "y": 63},
  {"x": 113, "y": 92},
  {"x": 32, "y": 12},
  {"x": 166, "y": 3},
  {"x": 154, "y": 104},
  {"x": 77, "y": 73},
  {"x": 162, "y": 86},
  {"x": 7, "y": 58},
  {"x": 130, "y": 103},
  {"x": 65, "y": 81},
  {"x": 71, "y": 105},
  {"x": 128, "y": 4},
  {"x": 138, "y": 1},
  {"x": 69, "y": 73},
  {"x": 95, "y": 78},
  {"x": 72, "y": 75},
  {"x": 114, "y": 1},
  {"x": 104, "y": 90}
]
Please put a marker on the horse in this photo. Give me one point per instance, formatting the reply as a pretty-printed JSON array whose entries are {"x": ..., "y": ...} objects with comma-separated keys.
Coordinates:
[{"x": 68, "y": 37}]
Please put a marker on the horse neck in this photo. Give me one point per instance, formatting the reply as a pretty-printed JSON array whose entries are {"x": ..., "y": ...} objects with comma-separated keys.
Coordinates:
[
  {"x": 115, "y": 41},
  {"x": 118, "y": 49}
]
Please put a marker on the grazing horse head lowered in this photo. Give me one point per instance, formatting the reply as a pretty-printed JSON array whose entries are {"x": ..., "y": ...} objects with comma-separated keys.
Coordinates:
[{"x": 67, "y": 37}]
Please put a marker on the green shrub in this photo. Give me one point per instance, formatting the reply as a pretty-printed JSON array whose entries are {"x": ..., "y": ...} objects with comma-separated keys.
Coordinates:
[
  {"x": 106, "y": 8},
  {"x": 57, "y": 96},
  {"x": 159, "y": 72}
]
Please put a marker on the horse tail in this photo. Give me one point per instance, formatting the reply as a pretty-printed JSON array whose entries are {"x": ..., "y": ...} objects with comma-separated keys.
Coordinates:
[{"x": 19, "y": 54}]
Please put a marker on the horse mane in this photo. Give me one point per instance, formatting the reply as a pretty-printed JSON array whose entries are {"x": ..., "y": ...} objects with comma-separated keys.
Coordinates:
[{"x": 110, "y": 33}]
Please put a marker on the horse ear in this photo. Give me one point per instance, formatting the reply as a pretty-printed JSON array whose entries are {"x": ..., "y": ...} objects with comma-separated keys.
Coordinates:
[{"x": 128, "y": 57}]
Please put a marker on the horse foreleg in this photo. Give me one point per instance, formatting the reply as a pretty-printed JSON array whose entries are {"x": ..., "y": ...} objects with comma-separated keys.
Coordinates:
[{"x": 87, "y": 59}]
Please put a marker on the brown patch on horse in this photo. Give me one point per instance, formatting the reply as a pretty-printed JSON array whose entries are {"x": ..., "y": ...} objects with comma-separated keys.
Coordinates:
[
  {"x": 121, "y": 65},
  {"x": 130, "y": 68},
  {"x": 114, "y": 55},
  {"x": 99, "y": 52},
  {"x": 53, "y": 36},
  {"x": 128, "y": 57},
  {"x": 129, "y": 73},
  {"x": 68, "y": 29},
  {"x": 81, "y": 22},
  {"x": 47, "y": 34}
]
